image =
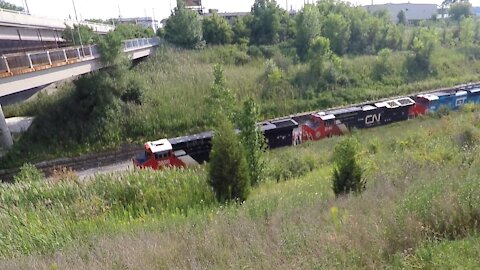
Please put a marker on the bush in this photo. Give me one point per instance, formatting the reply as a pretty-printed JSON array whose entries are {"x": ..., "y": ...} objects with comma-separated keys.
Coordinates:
[
  {"x": 228, "y": 170},
  {"x": 133, "y": 92},
  {"x": 443, "y": 111},
  {"x": 241, "y": 58},
  {"x": 29, "y": 173},
  {"x": 286, "y": 166},
  {"x": 347, "y": 173},
  {"x": 254, "y": 51}
]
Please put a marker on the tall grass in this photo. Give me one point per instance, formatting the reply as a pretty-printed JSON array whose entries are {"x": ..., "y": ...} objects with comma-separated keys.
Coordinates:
[{"x": 44, "y": 216}]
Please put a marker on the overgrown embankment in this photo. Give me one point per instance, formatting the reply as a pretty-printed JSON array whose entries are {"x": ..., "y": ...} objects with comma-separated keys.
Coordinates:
[
  {"x": 165, "y": 96},
  {"x": 421, "y": 201}
]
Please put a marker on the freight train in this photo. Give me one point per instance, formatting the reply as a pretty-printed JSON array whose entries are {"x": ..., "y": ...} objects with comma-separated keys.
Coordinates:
[{"x": 195, "y": 149}]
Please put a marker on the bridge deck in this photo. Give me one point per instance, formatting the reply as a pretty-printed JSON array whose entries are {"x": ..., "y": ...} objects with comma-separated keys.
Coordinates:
[{"x": 22, "y": 71}]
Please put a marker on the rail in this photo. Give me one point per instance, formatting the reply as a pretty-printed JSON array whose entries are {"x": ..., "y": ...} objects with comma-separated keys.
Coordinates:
[
  {"x": 14, "y": 11},
  {"x": 20, "y": 63}
]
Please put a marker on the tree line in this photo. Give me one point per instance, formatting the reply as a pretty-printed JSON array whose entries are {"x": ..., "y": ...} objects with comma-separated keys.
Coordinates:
[{"x": 9, "y": 6}]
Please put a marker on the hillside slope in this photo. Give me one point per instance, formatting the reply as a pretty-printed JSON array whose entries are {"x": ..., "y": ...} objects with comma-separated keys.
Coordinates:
[{"x": 420, "y": 209}]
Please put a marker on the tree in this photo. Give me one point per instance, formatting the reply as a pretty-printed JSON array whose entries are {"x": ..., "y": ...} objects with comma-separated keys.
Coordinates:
[
  {"x": 401, "y": 17},
  {"x": 423, "y": 44},
  {"x": 110, "y": 47},
  {"x": 80, "y": 34},
  {"x": 337, "y": 30},
  {"x": 241, "y": 30},
  {"x": 216, "y": 30},
  {"x": 265, "y": 24},
  {"x": 393, "y": 38},
  {"x": 184, "y": 28},
  {"x": 359, "y": 28},
  {"x": 460, "y": 10},
  {"x": 467, "y": 32},
  {"x": 318, "y": 54},
  {"x": 228, "y": 169},
  {"x": 131, "y": 31},
  {"x": 252, "y": 140},
  {"x": 308, "y": 26},
  {"x": 220, "y": 101},
  {"x": 6, "y": 5},
  {"x": 382, "y": 67},
  {"x": 347, "y": 173}
]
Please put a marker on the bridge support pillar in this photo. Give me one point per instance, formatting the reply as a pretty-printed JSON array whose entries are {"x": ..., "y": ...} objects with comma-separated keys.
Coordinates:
[{"x": 6, "y": 140}]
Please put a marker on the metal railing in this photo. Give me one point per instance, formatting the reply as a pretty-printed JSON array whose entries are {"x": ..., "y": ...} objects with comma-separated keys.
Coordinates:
[
  {"x": 133, "y": 44},
  {"x": 31, "y": 61},
  {"x": 14, "y": 11}
]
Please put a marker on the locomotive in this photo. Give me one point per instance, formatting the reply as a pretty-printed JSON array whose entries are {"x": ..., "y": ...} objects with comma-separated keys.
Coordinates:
[{"x": 195, "y": 149}]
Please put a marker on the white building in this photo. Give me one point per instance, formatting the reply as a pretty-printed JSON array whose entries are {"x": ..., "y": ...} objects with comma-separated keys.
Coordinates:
[
  {"x": 142, "y": 21},
  {"x": 413, "y": 12},
  {"x": 194, "y": 5}
]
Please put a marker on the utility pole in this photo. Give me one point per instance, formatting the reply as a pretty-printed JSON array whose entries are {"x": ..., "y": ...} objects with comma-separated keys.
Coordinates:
[
  {"x": 5, "y": 136},
  {"x": 26, "y": 7},
  {"x": 79, "y": 34}
]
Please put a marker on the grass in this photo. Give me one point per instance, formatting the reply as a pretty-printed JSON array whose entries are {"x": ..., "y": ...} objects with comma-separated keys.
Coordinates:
[
  {"x": 419, "y": 209},
  {"x": 176, "y": 82}
]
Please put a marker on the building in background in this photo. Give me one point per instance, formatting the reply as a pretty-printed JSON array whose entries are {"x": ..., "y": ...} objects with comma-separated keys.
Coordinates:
[
  {"x": 229, "y": 16},
  {"x": 413, "y": 12},
  {"x": 142, "y": 21},
  {"x": 194, "y": 5}
]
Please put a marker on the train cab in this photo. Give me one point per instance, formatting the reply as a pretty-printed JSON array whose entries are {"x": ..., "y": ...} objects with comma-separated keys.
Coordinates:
[
  {"x": 474, "y": 95},
  {"x": 432, "y": 102},
  {"x": 330, "y": 123},
  {"x": 159, "y": 154},
  {"x": 424, "y": 104},
  {"x": 319, "y": 126}
]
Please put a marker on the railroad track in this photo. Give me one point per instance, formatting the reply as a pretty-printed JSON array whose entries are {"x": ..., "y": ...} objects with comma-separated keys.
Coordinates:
[
  {"x": 124, "y": 153},
  {"x": 80, "y": 163}
]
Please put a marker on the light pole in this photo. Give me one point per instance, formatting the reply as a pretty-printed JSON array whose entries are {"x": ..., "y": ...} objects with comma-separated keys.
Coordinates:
[
  {"x": 79, "y": 34},
  {"x": 26, "y": 7}
]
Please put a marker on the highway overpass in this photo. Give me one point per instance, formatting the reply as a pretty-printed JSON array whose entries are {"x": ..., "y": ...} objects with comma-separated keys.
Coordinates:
[
  {"x": 23, "y": 32},
  {"x": 23, "y": 71}
]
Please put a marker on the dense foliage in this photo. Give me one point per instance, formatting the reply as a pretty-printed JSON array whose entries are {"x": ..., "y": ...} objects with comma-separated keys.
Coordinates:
[
  {"x": 184, "y": 27},
  {"x": 6, "y": 5},
  {"x": 216, "y": 30},
  {"x": 460, "y": 10},
  {"x": 80, "y": 35}
]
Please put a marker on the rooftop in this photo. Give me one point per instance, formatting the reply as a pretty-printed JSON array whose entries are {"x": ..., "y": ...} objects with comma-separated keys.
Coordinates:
[{"x": 162, "y": 145}]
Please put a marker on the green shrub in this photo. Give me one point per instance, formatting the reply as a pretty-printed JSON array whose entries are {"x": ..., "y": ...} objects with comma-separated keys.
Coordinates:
[
  {"x": 285, "y": 166},
  {"x": 254, "y": 51},
  {"x": 29, "y": 173},
  {"x": 443, "y": 111},
  {"x": 468, "y": 137},
  {"x": 228, "y": 169},
  {"x": 241, "y": 58},
  {"x": 347, "y": 173}
]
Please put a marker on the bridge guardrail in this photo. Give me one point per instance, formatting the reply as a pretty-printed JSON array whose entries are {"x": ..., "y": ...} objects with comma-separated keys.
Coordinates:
[{"x": 19, "y": 63}]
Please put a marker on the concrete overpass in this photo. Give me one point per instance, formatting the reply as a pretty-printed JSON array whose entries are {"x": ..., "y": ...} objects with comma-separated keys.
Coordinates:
[
  {"x": 23, "y": 71},
  {"x": 20, "y": 31}
]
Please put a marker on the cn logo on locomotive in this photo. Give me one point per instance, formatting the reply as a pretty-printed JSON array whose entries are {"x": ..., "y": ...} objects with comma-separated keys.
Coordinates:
[{"x": 370, "y": 119}]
